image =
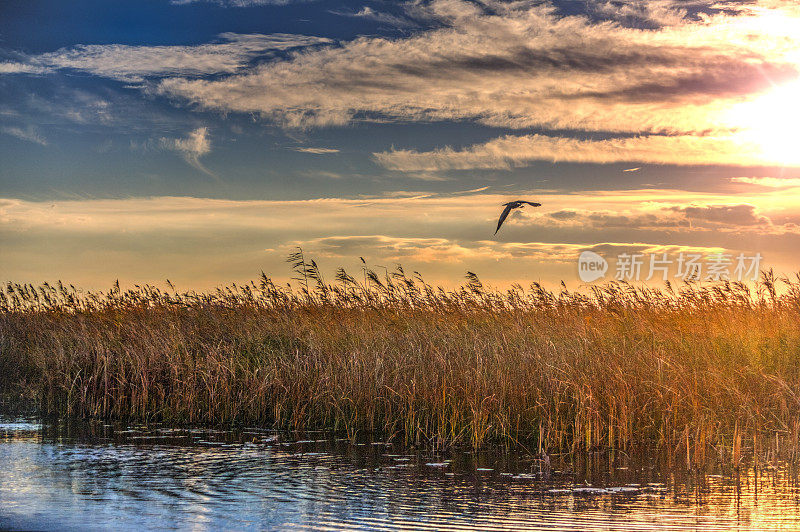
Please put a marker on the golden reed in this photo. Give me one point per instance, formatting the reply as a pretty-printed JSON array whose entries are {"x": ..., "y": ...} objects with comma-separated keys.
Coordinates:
[{"x": 687, "y": 369}]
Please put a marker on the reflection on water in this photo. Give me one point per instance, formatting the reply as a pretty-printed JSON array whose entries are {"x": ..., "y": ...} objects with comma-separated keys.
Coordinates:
[{"x": 57, "y": 477}]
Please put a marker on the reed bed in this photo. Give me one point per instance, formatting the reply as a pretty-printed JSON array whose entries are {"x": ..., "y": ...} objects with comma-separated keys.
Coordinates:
[{"x": 692, "y": 369}]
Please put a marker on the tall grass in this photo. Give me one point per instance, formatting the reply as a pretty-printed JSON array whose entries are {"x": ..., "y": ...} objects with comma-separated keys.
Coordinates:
[{"x": 679, "y": 368}]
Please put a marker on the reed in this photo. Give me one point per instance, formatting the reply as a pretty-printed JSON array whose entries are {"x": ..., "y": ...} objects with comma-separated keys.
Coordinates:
[{"x": 683, "y": 368}]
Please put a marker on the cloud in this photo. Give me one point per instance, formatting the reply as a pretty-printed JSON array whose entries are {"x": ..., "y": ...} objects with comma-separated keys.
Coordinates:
[
  {"x": 652, "y": 13},
  {"x": 318, "y": 151},
  {"x": 387, "y": 248},
  {"x": 738, "y": 215},
  {"x": 678, "y": 218},
  {"x": 195, "y": 145},
  {"x": 472, "y": 190},
  {"x": 79, "y": 107},
  {"x": 607, "y": 219},
  {"x": 135, "y": 63},
  {"x": 770, "y": 182},
  {"x": 659, "y": 82},
  {"x": 28, "y": 134},
  {"x": 443, "y": 250},
  {"x": 215, "y": 240},
  {"x": 8, "y": 67},
  {"x": 520, "y": 65},
  {"x": 367, "y": 13},
  {"x": 517, "y": 151},
  {"x": 438, "y": 250},
  {"x": 407, "y": 214}
]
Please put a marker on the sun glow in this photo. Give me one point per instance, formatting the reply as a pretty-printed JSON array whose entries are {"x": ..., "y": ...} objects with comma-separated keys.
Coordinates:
[{"x": 771, "y": 122}]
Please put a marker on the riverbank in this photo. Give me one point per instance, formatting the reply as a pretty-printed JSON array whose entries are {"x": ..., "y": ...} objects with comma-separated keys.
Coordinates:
[{"x": 692, "y": 370}]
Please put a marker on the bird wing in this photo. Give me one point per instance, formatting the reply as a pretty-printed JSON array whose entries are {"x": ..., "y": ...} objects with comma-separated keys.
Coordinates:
[{"x": 503, "y": 217}]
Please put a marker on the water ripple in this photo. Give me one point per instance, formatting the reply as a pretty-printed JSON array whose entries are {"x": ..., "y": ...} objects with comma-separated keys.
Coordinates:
[{"x": 200, "y": 479}]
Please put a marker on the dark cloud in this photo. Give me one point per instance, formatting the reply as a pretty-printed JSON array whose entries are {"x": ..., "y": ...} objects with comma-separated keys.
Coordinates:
[
  {"x": 563, "y": 215},
  {"x": 742, "y": 214},
  {"x": 679, "y": 218}
]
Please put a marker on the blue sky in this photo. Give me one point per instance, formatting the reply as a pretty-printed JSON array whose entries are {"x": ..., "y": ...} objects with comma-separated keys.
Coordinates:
[{"x": 202, "y": 141}]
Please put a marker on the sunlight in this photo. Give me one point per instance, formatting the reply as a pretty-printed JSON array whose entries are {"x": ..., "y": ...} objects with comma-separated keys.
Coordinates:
[{"x": 771, "y": 122}]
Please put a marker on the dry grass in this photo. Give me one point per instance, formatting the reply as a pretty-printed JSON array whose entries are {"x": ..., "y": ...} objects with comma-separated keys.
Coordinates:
[{"x": 688, "y": 370}]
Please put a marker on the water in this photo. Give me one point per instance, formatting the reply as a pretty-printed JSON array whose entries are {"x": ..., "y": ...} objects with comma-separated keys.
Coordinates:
[{"x": 93, "y": 477}]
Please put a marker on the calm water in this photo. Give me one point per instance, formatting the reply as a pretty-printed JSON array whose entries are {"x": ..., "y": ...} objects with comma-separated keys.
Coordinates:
[{"x": 60, "y": 477}]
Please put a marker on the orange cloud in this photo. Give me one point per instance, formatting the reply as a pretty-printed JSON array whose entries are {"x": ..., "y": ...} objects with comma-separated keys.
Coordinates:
[{"x": 515, "y": 151}]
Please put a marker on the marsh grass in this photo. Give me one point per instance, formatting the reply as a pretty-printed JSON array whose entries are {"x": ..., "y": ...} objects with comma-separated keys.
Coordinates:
[{"x": 696, "y": 369}]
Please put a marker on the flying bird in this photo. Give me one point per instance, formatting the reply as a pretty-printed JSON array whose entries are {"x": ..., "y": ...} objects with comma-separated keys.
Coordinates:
[{"x": 510, "y": 206}]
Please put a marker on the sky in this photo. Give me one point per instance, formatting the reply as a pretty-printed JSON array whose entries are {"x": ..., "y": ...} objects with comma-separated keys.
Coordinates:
[{"x": 202, "y": 141}]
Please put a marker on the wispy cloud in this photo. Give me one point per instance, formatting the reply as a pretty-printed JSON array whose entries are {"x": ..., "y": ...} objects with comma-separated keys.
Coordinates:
[
  {"x": 770, "y": 182},
  {"x": 519, "y": 65},
  {"x": 135, "y": 63},
  {"x": 516, "y": 151},
  {"x": 472, "y": 191},
  {"x": 673, "y": 72},
  {"x": 195, "y": 145},
  {"x": 367, "y": 13},
  {"x": 28, "y": 134},
  {"x": 317, "y": 151},
  {"x": 10, "y": 67}
]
